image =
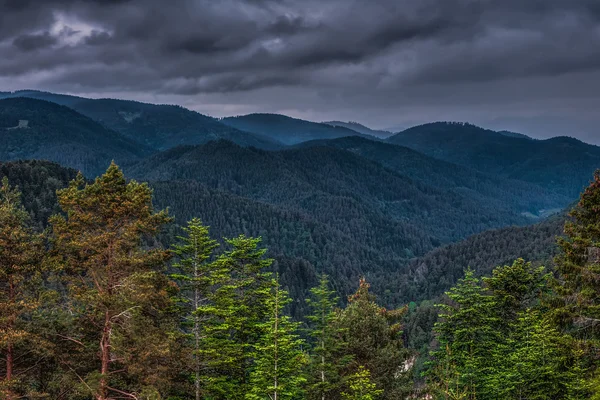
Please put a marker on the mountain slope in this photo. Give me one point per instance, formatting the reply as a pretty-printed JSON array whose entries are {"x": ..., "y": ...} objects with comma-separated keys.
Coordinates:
[
  {"x": 157, "y": 126},
  {"x": 347, "y": 191},
  {"x": 286, "y": 129},
  {"x": 501, "y": 193},
  {"x": 38, "y": 182},
  {"x": 429, "y": 276},
  {"x": 355, "y": 126},
  {"x": 39, "y": 129},
  {"x": 561, "y": 164}
]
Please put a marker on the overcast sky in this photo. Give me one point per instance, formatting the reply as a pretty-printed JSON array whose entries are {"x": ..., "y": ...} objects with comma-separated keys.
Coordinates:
[{"x": 526, "y": 65}]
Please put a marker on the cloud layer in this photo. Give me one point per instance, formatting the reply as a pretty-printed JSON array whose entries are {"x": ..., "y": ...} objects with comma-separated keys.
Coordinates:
[{"x": 381, "y": 62}]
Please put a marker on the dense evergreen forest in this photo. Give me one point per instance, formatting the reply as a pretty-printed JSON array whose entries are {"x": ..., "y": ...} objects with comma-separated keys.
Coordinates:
[
  {"x": 344, "y": 266},
  {"x": 98, "y": 305}
]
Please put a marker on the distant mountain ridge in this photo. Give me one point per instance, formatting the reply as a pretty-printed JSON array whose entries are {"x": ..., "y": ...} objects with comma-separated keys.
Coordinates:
[
  {"x": 286, "y": 129},
  {"x": 355, "y": 126},
  {"x": 156, "y": 126},
  {"x": 562, "y": 164},
  {"x": 49, "y": 131}
]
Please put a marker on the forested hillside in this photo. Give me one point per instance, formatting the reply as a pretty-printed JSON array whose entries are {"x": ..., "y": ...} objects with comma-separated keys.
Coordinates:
[
  {"x": 431, "y": 275},
  {"x": 335, "y": 186},
  {"x": 365, "y": 130},
  {"x": 210, "y": 312},
  {"x": 38, "y": 182},
  {"x": 286, "y": 129},
  {"x": 158, "y": 127},
  {"x": 48, "y": 131},
  {"x": 502, "y": 193},
  {"x": 305, "y": 246},
  {"x": 561, "y": 164},
  {"x": 120, "y": 299}
]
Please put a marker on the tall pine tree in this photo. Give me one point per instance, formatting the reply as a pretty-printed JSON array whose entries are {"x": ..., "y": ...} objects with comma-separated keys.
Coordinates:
[
  {"x": 467, "y": 334},
  {"x": 115, "y": 280}
]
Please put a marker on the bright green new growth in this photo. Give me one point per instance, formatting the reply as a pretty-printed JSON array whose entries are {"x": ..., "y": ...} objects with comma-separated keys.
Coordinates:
[
  {"x": 497, "y": 342},
  {"x": 235, "y": 308},
  {"x": 361, "y": 387},
  {"x": 278, "y": 373}
]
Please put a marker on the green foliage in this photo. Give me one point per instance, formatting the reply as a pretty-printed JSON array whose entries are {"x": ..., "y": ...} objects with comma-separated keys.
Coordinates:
[
  {"x": 578, "y": 266},
  {"x": 20, "y": 283},
  {"x": 430, "y": 276},
  {"x": 232, "y": 318},
  {"x": 373, "y": 338},
  {"x": 496, "y": 340},
  {"x": 114, "y": 282},
  {"x": 329, "y": 354},
  {"x": 195, "y": 276},
  {"x": 467, "y": 334},
  {"x": 60, "y": 134},
  {"x": 278, "y": 371},
  {"x": 360, "y": 386},
  {"x": 38, "y": 182}
]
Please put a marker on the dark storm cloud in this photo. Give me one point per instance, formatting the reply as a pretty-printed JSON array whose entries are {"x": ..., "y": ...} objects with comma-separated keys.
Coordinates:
[
  {"x": 29, "y": 42},
  {"x": 359, "y": 54}
]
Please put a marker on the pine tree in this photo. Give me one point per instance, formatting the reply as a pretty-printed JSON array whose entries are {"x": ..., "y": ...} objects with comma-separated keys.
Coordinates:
[
  {"x": 517, "y": 287},
  {"x": 577, "y": 307},
  {"x": 232, "y": 318},
  {"x": 467, "y": 334},
  {"x": 541, "y": 359},
  {"x": 497, "y": 342},
  {"x": 196, "y": 276},
  {"x": 20, "y": 281},
  {"x": 374, "y": 340},
  {"x": 328, "y": 347},
  {"x": 115, "y": 282},
  {"x": 278, "y": 371}
]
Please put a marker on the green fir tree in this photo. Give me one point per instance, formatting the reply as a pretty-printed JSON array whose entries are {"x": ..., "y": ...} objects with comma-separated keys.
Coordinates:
[{"x": 278, "y": 372}]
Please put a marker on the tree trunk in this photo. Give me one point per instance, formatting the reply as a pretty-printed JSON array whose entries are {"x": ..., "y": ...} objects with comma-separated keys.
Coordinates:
[
  {"x": 9, "y": 362},
  {"x": 9, "y": 348},
  {"x": 105, "y": 356},
  {"x": 323, "y": 354},
  {"x": 196, "y": 320},
  {"x": 275, "y": 337}
]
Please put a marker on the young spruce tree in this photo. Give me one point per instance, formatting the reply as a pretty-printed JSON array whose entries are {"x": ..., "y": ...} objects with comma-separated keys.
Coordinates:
[
  {"x": 278, "y": 373},
  {"x": 328, "y": 346},
  {"x": 196, "y": 276},
  {"x": 232, "y": 318}
]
